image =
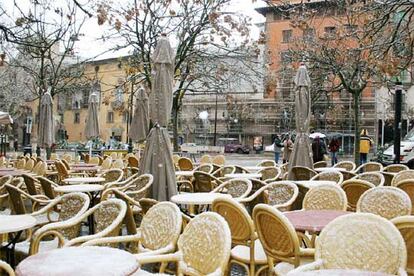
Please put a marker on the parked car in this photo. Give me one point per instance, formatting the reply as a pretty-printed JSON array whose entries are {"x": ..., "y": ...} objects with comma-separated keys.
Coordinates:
[
  {"x": 406, "y": 151},
  {"x": 189, "y": 147},
  {"x": 232, "y": 145}
]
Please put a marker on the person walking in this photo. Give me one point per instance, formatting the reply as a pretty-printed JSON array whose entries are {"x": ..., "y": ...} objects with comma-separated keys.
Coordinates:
[
  {"x": 277, "y": 148},
  {"x": 365, "y": 144},
  {"x": 287, "y": 149},
  {"x": 318, "y": 149},
  {"x": 333, "y": 148}
]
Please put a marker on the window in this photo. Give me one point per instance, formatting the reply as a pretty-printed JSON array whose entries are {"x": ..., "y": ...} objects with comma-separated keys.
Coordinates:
[
  {"x": 76, "y": 118},
  {"x": 110, "y": 117},
  {"x": 330, "y": 31},
  {"x": 85, "y": 97},
  {"x": 309, "y": 34},
  {"x": 125, "y": 117},
  {"x": 286, "y": 36},
  {"x": 350, "y": 29}
]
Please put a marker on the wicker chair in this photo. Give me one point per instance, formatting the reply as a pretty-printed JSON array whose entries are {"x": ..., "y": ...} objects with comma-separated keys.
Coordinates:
[
  {"x": 376, "y": 178},
  {"x": 347, "y": 165},
  {"x": 40, "y": 168},
  {"x": 29, "y": 165},
  {"x": 53, "y": 156},
  {"x": 62, "y": 209},
  {"x": 203, "y": 248},
  {"x": 6, "y": 268},
  {"x": 67, "y": 157},
  {"x": 106, "y": 164},
  {"x": 65, "y": 163},
  {"x": 31, "y": 184},
  {"x": 325, "y": 197},
  {"x": 280, "y": 194},
  {"x": 112, "y": 175},
  {"x": 133, "y": 162},
  {"x": 405, "y": 225},
  {"x": 333, "y": 176},
  {"x": 221, "y": 172},
  {"x": 237, "y": 188},
  {"x": 205, "y": 182},
  {"x": 408, "y": 187},
  {"x": 279, "y": 239},
  {"x": 48, "y": 187},
  {"x": 395, "y": 168},
  {"x": 94, "y": 160},
  {"x": 219, "y": 160},
  {"x": 4, "y": 206},
  {"x": 387, "y": 202},
  {"x": 270, "y": 174},
  {"x": 139, "y": 187},
  {"x": 388, "y": 177},
  {"x": 108, "y": 216},
  {"x": 360, "y": 242},
  {"x": 146, "y": 204},
  {"x": 205, "y": 159},
  {"x": 157, "y": 235},
  {"x": 207, "y": 168},
  {"x": 248, "y": 251},
  {"x": 20, "y": 164},
  {"x": 255, "y": 197},
  {"x": 240, "y": 169},
  {"x": 370, "y": 167},
  {"x": 185, "y": 164},
  {"x": 401, "y": 176},
  {"x": 63, "y": 172},
  {"x": 20, "y": 200},
  {"x": 348, "y": 175},
  {"x": 302, "y": 173},
  {"x": 353, "y": 189},
  {"x": 118, "y": 164},
  {"x": 320, "y": 164},
  {"x": 266, "y": 163}
]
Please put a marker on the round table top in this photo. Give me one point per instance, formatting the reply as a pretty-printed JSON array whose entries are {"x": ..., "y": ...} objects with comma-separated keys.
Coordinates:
[
  {"x": 312, "y": 220},
  {"x": 311, "y": 183},
  {"x": 84, "y": 180},
  {"x": 244, "y": 175},
  {"x": 79, "y": 188},
  {"x": 80, "y": 261},
  {"x": 14, "y": 172},
  {"x": 6, "y": 169},
  {"x": 253, "y": 168},
  {"x": 14, "y": 223},
  {"x": 327, "y": 169},
  {"x": 85, "y": 169},
  {"x": 184, "y": 173},
  {"x": 83, "y": 165},
  {"x": 338, "y": 272},
  {"x": 197, "y": 198}
]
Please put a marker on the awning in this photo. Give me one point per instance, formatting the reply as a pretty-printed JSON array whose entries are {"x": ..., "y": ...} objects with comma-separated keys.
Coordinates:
[{"x": 5, "y": 118}]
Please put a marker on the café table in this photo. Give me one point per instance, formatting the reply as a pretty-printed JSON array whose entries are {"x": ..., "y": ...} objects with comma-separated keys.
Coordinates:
[
  {"x": 80, "y": 261},
  {"x": 192, "y": 199},
  {"x": 85, "y": 169},
  {"x": 327, "y": 169},
  {"x": 244, "y": 175},
  {"x": 312, "y": 221},
  {"x": 184, "y": 173},
  {"x": 338, "y": 272},
  {"x": 82, "y": 165},
  {"x": 78, "y": 180},
  {"x": 14, "y": 224},
  {"x": 15, "y": 172},
  {"x": 91, "y": 189},
  {"x": 253, "y": 168},
  {"x": 312, "y": 183}
]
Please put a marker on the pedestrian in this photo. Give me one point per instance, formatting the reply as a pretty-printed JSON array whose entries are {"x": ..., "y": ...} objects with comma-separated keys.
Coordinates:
[
  {"x": 277, "y": 148},
  {"x": 318, "y": 149},
  {"x": 333, "y": 148},
  {"x": 365, "y": 144},
  {"x": 287, "y": 149},
  {"x": 16, "y": 145}
]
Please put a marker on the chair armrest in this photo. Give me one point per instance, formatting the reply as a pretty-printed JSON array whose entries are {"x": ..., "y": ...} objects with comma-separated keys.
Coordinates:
[
  {"x": 175, "y": 257},
  {"x": 308, "y": 267},
  {"x": 307, "y": 252},
  {"x": 36, "y": 239},
  {"x": 118, "y": 239}
]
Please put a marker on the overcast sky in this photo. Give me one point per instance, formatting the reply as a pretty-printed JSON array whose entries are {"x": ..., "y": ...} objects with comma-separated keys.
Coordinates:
[{"x": 89, "y": 47}]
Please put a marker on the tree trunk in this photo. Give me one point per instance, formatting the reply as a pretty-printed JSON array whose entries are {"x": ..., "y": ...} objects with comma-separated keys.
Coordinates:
[
  {"x": 175, "y": 112},
  {"x": 356, "y": 97}
]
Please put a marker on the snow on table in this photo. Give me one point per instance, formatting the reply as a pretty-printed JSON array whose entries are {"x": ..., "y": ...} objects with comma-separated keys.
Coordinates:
[
  {"x": 197, "y": 198},
  {"x": 79, "y": 188},
  {"x": 338, "y": 272},
  {"x": 84, "y": 180},
  {"x": 15, "y": 223},
  {"x": 244, "y": 175}
]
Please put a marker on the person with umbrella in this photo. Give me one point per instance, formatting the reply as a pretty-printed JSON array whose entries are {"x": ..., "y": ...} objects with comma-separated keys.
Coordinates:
[{"x": 318, "y": 149}]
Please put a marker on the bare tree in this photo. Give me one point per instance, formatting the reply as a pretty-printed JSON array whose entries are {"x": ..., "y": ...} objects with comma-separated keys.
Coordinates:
[{"x": 201, "y": 30}]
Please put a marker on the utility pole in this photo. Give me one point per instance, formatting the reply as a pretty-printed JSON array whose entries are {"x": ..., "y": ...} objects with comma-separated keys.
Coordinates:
[{"x": 397, "y": 122}]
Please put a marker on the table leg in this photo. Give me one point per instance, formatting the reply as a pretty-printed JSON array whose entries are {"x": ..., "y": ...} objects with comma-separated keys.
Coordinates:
[
  {"x": 91, "y": 221},
  {"x": 9, "y": 248}
]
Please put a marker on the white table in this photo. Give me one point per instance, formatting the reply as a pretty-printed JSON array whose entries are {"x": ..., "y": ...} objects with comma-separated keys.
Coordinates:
[
  {"x": 327, "y": 169},
  {"x": 244, "y": 175},
  {"x": 253, "y": 168},
  {"x": 312, "y": 183},
  {"x": 80, "y": 261},
  {"x": 12, "y": 224},
  {"x": 87, "y": 188},
  {"x": 184, "y": 173},
  {"x": 197, "y": 198},
  {"x": 84, "y": 180}
]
